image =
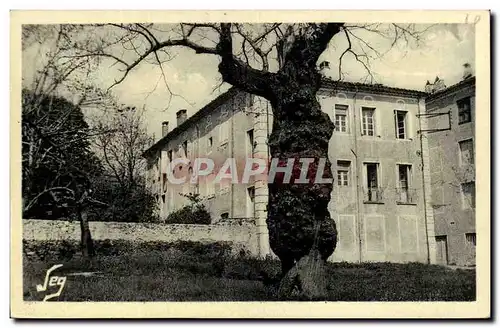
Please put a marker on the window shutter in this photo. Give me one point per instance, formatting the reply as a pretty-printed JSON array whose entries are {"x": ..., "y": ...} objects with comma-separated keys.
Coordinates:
[
  {"x": 361, "y": 121},
  {"x": 365, "y": 177},
  {"x": 378, "y": 119},
  {"x": 410, "y": 123},
  {"x": 395, "y": 114}
]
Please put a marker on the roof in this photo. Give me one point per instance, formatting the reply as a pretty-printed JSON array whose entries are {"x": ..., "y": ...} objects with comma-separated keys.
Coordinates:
[
  {"x": 468, "y": 81},
  {"x": 208, "y": 108},
  {"x": 326, "y": 83},
  {"x": 371, "y": 88}
]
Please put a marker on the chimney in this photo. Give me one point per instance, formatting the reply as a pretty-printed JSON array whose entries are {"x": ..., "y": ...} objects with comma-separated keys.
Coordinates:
[
  {"x": 164, "y": 128},
  {"x": 467, "y": 71},
  {"x": 438, "y": 85},
  {"x": 324, "y": 67},
  {"x": 181, "y": 116},
  {"x": 428, "y": 87}
]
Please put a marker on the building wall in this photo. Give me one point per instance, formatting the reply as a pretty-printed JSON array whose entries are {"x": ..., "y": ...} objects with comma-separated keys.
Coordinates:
[
  {"x": 452, "y": 219},
  {"x": 228, "y": 126},
  {"x": 242, "y": 236},
  {"x": 383, "y": 231},
  {"x": 220, "y": 198},
  {"x": 387, "y": 230}
]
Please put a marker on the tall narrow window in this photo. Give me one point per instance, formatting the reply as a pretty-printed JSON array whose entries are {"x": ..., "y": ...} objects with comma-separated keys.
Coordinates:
[
  {"x": 404, "y": 184},
  {"x": 250, "y": 202},
  {"x": 400, "y": 123},
  {"x": 250, "y": 143},
  {"x": 165, "y": 182},
  {"x": 210, "y": 143},
  {"x": 368, "y": 121},
  {"x": 170, "y": 156},
  {"x": 343, "y": 168},
  {"x": 185, "y": 148},
  {"x": 468, "y": 195},
  {"x": 466, "y": 152},
  {"x": 341, "y": 120},
  {"x": 373, "y": 192},
  {"x": 464, "y": 110}
]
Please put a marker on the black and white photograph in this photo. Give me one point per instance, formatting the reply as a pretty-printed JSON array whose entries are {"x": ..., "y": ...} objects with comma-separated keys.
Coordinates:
[{"x": 222, "y": 159}]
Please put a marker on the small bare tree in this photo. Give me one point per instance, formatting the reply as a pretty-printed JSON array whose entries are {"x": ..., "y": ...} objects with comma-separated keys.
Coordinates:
[{"x": 120, "y": 144}]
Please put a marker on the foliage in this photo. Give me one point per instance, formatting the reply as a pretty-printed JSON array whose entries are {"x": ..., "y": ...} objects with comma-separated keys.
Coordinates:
[
  {"x": 57, "y": 160},
  {"x": 193, "y": 213},
  {"x": 60, "y": 250},
  {"x": 119, "y": 147},
  {"x": 136, "y": 204}
]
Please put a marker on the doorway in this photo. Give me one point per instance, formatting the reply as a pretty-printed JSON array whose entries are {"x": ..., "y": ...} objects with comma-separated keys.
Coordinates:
[{"x": 441, "y": 250}]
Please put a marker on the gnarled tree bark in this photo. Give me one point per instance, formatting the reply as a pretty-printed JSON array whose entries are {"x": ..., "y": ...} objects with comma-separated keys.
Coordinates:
[{"x": 300, "y": 130}]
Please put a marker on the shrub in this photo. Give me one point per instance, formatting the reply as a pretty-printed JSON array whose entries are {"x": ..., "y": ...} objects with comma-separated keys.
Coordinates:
[
  {"x": 194, "y": 213},
  {"x": 51, "y": 249},
  {"x": 67, "y": 249}
]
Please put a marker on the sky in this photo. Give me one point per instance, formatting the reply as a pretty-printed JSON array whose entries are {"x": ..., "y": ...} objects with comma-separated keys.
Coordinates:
[{"x": 194, "y": 77}]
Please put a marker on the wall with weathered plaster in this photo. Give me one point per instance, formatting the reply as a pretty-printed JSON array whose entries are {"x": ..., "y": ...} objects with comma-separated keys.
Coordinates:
[
  {"x": 452, "y": 219},
  {"x": 242, "y": 235}
]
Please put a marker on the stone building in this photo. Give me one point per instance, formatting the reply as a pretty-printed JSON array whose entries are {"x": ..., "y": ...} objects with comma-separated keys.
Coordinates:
[
  {"x": 450, "y": 114},
  {"x": 381, "y": 198},
  {"x": 234, "y": 125}
]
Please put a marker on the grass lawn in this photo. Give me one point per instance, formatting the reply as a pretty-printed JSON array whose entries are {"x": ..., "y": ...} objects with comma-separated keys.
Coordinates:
[{"x": 175, "y": 275}]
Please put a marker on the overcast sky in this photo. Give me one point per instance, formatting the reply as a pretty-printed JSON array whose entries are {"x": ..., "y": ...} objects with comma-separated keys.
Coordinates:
[{"x": 193, "y": 76}]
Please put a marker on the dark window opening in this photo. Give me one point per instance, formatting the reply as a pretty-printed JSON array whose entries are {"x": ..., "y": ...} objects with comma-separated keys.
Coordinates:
[{"x": 464, "y": 110}]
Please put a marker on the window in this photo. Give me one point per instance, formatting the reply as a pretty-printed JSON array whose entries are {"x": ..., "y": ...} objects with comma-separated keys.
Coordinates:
[
  {"x": 466, "y": 152},
  {"x": 224, "y": 132},
  {"x": 224, "y": 216},
  {"x": 341, "y": 118},
  {"x": 343, "y": 168},
  {"x": 464, "y": 110},
  {"x": 158, "y": 168},
  {"x": 404, "y": 193},
  {"x": 164, "y": 182},
  {"x": 400, "y": 123},
  {"x": 468, "y": 195},
  {"x": 210, "y": 143},
  {"x": 368, "y": 121},
  {"x": 250, "y": 143},
  {"x": 470, "y": 239},
  {"x": 250, "y": 202},
  {"x": 404, "y": 176},
  {"x": 169, "y": 156},
  {"x": 373, "y": 193},
  {"x": 185, "y": 148}
]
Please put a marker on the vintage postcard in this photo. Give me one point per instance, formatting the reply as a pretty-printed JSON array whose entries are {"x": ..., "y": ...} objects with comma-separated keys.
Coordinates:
[{"x": 250, "y": 164}]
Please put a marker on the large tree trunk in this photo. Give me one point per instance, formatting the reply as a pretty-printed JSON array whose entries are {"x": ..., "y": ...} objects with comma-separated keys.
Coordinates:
[
  {"x": 300, "y": 130},
  {"x": 299, "y": 222},
  {"x": 86, "y": 238}
]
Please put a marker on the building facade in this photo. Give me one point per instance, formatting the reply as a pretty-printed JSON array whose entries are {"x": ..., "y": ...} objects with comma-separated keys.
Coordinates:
[
  {"x": 450, "y": 116},
  {"x": 381, "y": 196}
]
